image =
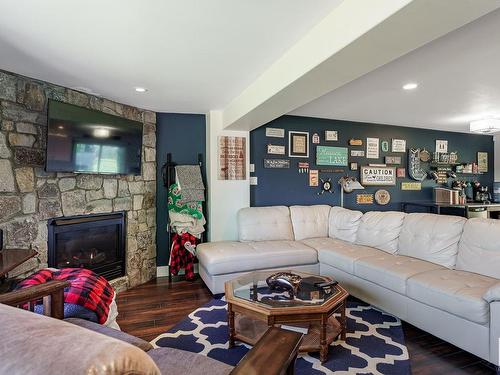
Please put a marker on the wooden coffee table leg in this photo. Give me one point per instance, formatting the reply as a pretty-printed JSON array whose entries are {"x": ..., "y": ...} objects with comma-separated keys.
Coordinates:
[
  {"x": 230, "y": 322},
  {"x": 323, "y": 353},
  {"x": 343, "y": 321}
]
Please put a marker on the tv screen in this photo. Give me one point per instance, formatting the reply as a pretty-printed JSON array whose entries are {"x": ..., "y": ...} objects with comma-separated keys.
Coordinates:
[{"x": 87, "y": 141}]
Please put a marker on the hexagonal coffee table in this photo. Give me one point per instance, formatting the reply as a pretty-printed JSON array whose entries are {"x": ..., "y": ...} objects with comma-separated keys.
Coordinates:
[{"x": 253, "y": 307}]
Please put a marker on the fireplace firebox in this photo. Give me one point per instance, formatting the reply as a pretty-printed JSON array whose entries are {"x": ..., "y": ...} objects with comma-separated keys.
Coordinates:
[{"x": 95, "y": 242}]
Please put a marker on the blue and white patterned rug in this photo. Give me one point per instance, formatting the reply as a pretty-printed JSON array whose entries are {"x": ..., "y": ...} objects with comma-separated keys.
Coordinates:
[{"x": 374, "y": 345}]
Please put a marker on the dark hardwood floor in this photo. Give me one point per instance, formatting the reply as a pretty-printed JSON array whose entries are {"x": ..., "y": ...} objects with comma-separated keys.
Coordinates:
[{"x": 148, "y": 310}]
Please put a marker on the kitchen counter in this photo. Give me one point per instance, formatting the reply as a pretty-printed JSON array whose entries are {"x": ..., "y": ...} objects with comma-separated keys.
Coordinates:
[{"x": 469, "y": 209}]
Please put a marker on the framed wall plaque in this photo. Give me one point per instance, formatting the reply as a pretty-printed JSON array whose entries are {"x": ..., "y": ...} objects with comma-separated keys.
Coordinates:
[
  {"x": 411, "y": 186},
  {"x": 355, "y": 142},
  {"x": 298, "y": 144},
  {"x": 372, "y": 148},
  {"x": 364, "y": 198},
  {"x": 441, "y": 145},
  {"x": 232, "y": 158},
  {"x": 482, "y": 162},
  {"x": 398, "y": 145},
  {"x": 393, "y": 160},
  {"x": 331, "y": 135},
  {"x": 313, "y": 177},
  {"x": 315, "y": 138},
  {"x": 275, "y": 132},
  {"x": 358, "y": 153},
  {"x": 326, "y": 155},
  {"x": 385, "y": 146},
  {"x": 400, "y": 172},
  {"x": 276, "y": 150},
  {"x": 378, "y": 176},
  {"x": 277, "y": 163}
]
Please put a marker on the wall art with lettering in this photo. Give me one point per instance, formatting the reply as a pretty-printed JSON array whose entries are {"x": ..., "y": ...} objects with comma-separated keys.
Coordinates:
[
  {"x": 232, "y": 158},
  {"x": 378, "y": 176},
  {"x": 298, "y": 144}
]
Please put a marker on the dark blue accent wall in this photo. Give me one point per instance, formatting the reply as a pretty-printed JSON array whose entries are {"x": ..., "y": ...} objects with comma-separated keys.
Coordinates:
[
  {"x": 288, "y": 187},
  {"x": 182, "y": 135}
]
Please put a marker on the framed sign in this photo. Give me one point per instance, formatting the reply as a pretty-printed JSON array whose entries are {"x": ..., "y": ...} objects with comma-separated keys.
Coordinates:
[
  {"x": 441, "y": 146},
  {"x": 372, "y": 151},
  {"x": 364, "y": 199},
  {"x": 232, "y": 158},
  {"x": 401, "y": 172},
  {"x": 275, "y": 132},
  {"x": 277, "y": 163},
  {"x": 355, "y": 142},
  {"x": 393, "y": 160},
  {"x": 276, "y": 150},
  {"x": 482, "y": 162},
  {"x": 331, "y": 135},
  {"x": 303, "y": 167},
  {"x": 315, "y": 138},
  {"x": 398, "y": 145},
  {"x": 354, "y": 166},
  {"x": 411, "y": 186},
  {"x": 358, "y": 153},
  {"x": 298, "y": 144},
  {"x": 313, "y": 177},
  {"x": 326, "y": 155},
  {"x": 378, "y": 176},
  {"x": 385, "y": 146}
]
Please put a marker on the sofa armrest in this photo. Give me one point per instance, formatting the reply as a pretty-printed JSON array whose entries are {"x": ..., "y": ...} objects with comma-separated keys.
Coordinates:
[
  {"x": 111, "y": 332},
  {"x": 265, "y": 359},
  {"x": 492, "y": 294}
]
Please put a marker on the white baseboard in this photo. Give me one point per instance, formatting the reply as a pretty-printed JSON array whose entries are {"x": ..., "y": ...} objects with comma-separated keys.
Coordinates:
[{"x": 162, "y": 271}]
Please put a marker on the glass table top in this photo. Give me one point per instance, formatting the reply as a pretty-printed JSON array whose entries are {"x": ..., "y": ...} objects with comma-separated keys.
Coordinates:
[{"x": 253, "y": 287}]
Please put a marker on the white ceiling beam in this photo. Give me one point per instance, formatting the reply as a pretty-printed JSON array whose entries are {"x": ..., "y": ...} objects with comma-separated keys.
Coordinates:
[{"x": 355, "y": 38}]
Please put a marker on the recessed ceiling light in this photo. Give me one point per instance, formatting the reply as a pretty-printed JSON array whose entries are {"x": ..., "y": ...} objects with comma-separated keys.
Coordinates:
[
  {"x": 140, "y": 89},
  {"x": 410, "y": 86}
]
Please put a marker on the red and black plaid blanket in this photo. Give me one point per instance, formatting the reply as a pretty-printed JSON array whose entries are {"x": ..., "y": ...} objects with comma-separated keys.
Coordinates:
[{"x": 87, "y": 288}]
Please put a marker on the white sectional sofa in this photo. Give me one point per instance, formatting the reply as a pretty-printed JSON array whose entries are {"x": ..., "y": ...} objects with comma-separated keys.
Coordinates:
[{"x": 439, "y": 273}]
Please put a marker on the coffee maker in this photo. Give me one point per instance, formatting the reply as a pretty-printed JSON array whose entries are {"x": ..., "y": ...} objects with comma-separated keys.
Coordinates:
[{"x": 481, "y": 193}]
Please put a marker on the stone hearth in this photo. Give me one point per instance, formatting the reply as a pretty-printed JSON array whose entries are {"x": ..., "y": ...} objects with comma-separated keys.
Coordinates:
[{"x": 29, "y": 196}]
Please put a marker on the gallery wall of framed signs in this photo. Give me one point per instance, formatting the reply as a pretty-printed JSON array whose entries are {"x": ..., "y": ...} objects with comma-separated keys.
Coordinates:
[{"x": 293, "y": 155}]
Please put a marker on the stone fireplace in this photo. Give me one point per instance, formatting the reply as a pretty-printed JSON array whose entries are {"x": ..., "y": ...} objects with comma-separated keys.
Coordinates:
[
  {"x": 95, "y": 242},
  {"x": 30, "y": 197}
]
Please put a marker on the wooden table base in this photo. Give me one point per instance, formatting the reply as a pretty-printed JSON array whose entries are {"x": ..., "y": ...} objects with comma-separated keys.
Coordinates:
[{"x": 318, "y": 338}]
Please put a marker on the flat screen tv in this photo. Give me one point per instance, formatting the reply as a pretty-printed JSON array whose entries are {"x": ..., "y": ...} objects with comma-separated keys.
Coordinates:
[{"x": 87, "y": 141}]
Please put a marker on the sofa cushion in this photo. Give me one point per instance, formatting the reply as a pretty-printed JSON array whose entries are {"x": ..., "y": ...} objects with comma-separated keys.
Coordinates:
[
  {"x": 479, "y": 247},
  {"x": 380, "y": 230},
  {"x": 430, "y": 237},
  {"x": 457, "y": 292},
  {"x": 344, "y": 223},
  {"x": 173, "y": 361},
  {"x": 391, "y": 271},
  {"x": 220, "y": 258},
  {"x": 340, "y": 254},
  {"x": 309, "y": 221},
  {"x": 265, "y": 224}
]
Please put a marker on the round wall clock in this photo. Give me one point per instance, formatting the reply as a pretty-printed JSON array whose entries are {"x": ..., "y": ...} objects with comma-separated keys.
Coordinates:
[{"x": 382, "y": 197}]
